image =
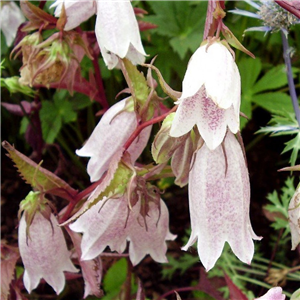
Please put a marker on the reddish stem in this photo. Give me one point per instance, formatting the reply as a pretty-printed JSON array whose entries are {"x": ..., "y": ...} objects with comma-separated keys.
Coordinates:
[
  {"x": 289, "y": 8},
  {"x": 184, "y": 289},
  {"x": 79, "y": 197},
  {"x": 144, "y": 125},
  {"x": 99, "y": 82}
]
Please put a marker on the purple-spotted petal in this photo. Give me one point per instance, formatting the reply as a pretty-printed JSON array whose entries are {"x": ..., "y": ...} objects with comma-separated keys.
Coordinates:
[
  {"x": 153, "y": 239},
  {"x": 187, "y": 115},
  {"x": 219, "y": 196},
  {"x": 103, "y": 225},
  {"x": 109, "y": 136},
  {"x": 44, "y": 253}
]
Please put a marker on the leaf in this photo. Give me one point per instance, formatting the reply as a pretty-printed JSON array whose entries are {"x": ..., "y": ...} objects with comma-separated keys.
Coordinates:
[
  {"x": 274, "y": 102},
  {"x": 36, "y": 176},
  {"x": 51, "y": 121},
  {"x": 137, "y": 83},
  {"x": 9, "y": 257},
  {"x": 115, "y": 276},
  {"x": 54, "y": 114},
  {"x": 235, "y": 292},
  {"x": 273, "y": 79},
  {"x": 294, "y": 145},
  {"x": 249, "y": 70}
]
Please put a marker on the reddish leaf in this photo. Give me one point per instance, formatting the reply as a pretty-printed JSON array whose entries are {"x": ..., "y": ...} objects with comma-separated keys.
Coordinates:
[
  {"x": 235, "y": 292},
  {"x": 9, "y": 257}
]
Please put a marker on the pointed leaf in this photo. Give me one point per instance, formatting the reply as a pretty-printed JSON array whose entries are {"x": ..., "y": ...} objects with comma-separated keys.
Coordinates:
[
  {"x": 235, "y": 292},
  {"x": 37, "y": 176},
  {"x": 233, "y": 41}
]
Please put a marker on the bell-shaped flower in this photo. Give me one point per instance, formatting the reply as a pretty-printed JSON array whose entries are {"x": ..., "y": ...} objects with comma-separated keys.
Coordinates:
[
  {"x": 219, "y": 198},
  {"x": 210, "y": 97},
  {"x": 44, "y": 253},
  {"x": 294, "y": 218},
  {"x": 109, "y": 136},
  {"x": 274, "y": 293},
  {"x": 11, "y": 18},
  {"x": 111, "y": 223},
  {"x": 117, "y": 30}
]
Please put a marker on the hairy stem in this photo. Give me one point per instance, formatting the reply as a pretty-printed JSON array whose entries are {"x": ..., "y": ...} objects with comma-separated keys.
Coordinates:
[{"x": 288, "y": 64}]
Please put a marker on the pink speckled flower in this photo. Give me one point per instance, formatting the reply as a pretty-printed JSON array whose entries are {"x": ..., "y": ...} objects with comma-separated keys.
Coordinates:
[
  {"x": 210, "y": 99},
  {"x": 112, "y": 226},
  {"x": 109, "y": 136},
  {"x": 294, "y": 218},
  {"x": 44, "y": 253},
  {"x": 219, "y": 197}
]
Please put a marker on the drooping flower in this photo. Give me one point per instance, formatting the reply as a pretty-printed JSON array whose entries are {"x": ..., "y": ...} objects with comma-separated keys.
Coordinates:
[
  {"x": 219, "y": 197},
  {"x": 44, "y": 253},
  {"x": 210, "y": 97},
  {"x": 11, "y": 18},
  {"x": 113, "y": 224},
  {"x": 116, "y": 28},
  {"x": 274, "y": 293},
  {"x": 294, "y": 218},
  {"x": 109, "y": 136}
]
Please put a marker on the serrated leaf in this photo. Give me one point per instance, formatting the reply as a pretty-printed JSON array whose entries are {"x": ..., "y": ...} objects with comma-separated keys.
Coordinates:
[
  {"x": 273, "y": 79},
  {"x": 65, "y": 110},
  {"x": 294, "y": 145},
  {"x": 113, "y": 183},
  {"x": 38, "y": 177},
  {"x": 274, "y": 102}
]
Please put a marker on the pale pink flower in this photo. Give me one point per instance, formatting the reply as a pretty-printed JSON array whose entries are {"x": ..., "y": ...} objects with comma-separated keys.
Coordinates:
[
  {"x": 274, "y": 293},
  {"x": 219, "y": 197},
  {"x": 44, "y": 253},
  {"x": 117, "y": 30},
  {"x": 210, "y": 99},
  {"x": 109, "y": 136},
  {"x": 294, "y": 218},
  {"x": 11, "y": 18},
  {"x": 113, "y": 224}
]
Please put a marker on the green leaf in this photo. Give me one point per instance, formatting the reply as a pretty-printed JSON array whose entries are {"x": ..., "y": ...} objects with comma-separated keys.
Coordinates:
[
  {"x": 38, "y": 177},
  {"x": 114, "y": 279},
  {"x": 249, "y": 70},
  {"x": 246, "y": 108},
  {"x": 273, "y": 79},
  {"x": 51, "y": 121},
  {"x": 294, "y": 145},
  {"x": 274, "y": 102}
]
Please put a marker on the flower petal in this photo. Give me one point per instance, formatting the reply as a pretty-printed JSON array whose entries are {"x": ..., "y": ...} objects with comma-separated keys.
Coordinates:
[
  {"x": 274, "y": 293},
  {"x": 109, "y": 136},
  {"x": 116, "y": 31},
  {"x": 187, "y": 115},
  {"x": 102, "y": 225},
  {"x": 77, "y": 11},
  {"x": 153, "y": 239},
  {"x": 44, "y": 253},
  {"x": 219, "y": 194}
]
